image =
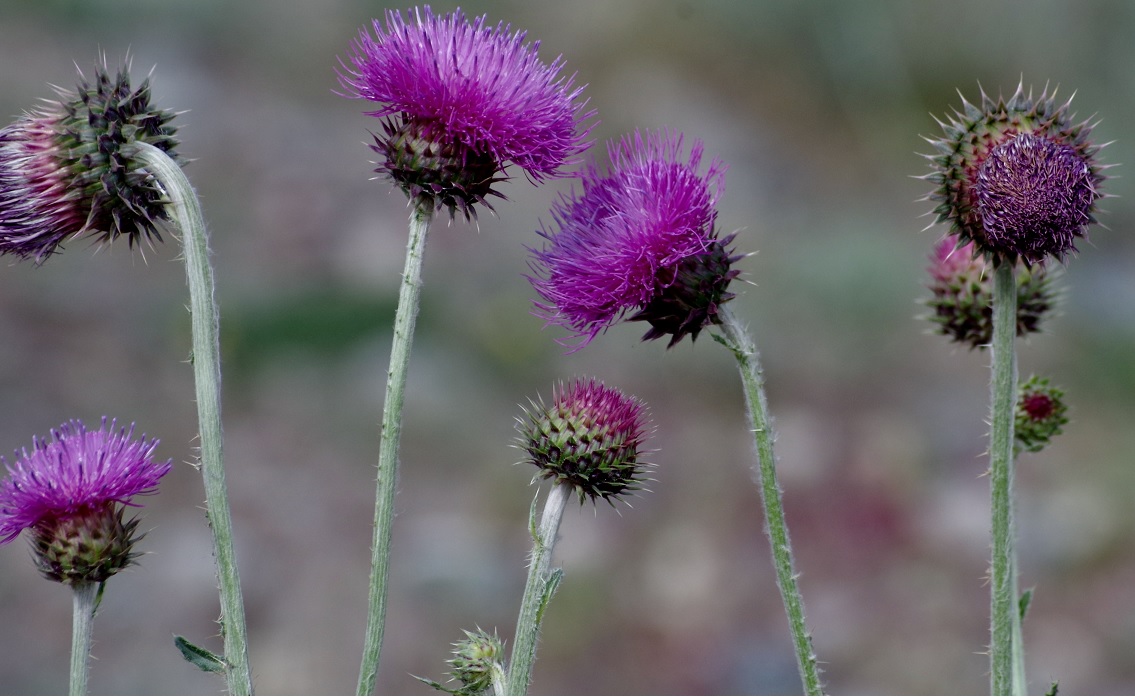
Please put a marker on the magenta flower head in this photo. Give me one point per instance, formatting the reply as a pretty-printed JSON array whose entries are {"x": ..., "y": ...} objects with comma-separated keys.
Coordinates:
[
  {"x": 640, "y": 238},
  {"x": 590, "y": 437},
  {"x": 70, "y": 493},
  {"x": 67, "y": 168},
  {"x": 961, "y": 287},
  {"x": 1017, "y": 178},
  {"x": 460, "y": 102}
]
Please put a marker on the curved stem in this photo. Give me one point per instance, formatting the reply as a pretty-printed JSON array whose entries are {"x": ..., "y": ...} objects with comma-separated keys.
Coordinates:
[
  {"x": 536, "y": 589},
  {"x": 404, "y": 320},
  {"x": 1004, "y": 612},
  {"x": 737, "y": 340},
  {"x": 185, "y": 211},
  {"x": 82, "y": 625}
]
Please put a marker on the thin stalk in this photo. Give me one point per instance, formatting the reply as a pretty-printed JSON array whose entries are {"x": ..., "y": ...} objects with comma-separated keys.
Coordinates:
[
  {"x": 185, "y": 210},
  {"x": 736, "y": 339},
  {"x": 82, "y": 625},
  {"x": 535, "y": 590},
  {"x": 1004, "y": 612},
  {"x": 404, "y": 320}
]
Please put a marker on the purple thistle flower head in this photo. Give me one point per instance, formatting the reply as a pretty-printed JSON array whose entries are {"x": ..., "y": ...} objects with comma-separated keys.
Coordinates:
[
  {"x": 70, "y": 492},
  {"x": 1040, "y": 415},
  {"x": 460, "y": 102},
  {"x": 67, "y": 168},
  {"x": 639, "y": 238},
  {"x": 1017, "y": 177},
  {"x": 590, "y": 437}
]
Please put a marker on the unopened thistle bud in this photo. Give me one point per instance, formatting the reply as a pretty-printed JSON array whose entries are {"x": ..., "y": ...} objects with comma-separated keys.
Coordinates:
[
  {"x": 1041, "y": 413},
  {"x": 67, "y": 169},
  {"x": 69, "y": 493},
  {"x": 477, "y": 662},
  {"x": 1016, "y": 177},
  {"x": 460, "y": 102},
  {"x": 590, "y": 437},
  {"x": 961, "y": 289}
]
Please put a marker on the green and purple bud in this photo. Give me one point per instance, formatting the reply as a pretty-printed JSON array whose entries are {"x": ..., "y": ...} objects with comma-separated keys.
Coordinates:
[
  {"x": 67, "y": 169},
  {"x": 1040, "y": 416},
  {"x": 590, "y": 438},
  {"x": 1017, "y": 178},
  {"x": 961, "y": 288}
]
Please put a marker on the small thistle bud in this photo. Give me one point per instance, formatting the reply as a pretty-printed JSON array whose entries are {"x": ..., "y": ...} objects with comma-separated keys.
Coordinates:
[
  {"x": 70, "y": 492},
  {"x": 1041, "y": 413},
  {"x": 67, "y": 169},
  {"x": 1016, "y": 177},
  {"x": 460, "y": 102},
  {"x": 589, "y": 438},
  {"x": 477, "y": 662},
  {"x": 962, "y": 291}
]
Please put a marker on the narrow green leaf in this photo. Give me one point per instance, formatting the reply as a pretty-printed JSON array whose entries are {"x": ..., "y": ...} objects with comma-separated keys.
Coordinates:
[{"x": 202, "y": 658}]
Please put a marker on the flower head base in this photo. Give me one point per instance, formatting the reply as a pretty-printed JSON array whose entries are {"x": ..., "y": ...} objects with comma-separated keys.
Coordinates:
[
  {"x": 461, "y": 101},
  {"x": 67, "y": 169},
  {"x": 69, "y": 492},
  {"x": 641, "y": 237},
  {"x": 1041, "y": 414},
  {"x": 475, "y": 660},
  {"x": 1016, "y": 177},
  {"x": 589, "y": 437},
  {"x": 962, "y": 294}
]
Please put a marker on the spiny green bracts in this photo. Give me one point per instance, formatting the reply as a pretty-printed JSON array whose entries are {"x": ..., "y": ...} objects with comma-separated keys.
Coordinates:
[{"x": 1041, "y": 414}]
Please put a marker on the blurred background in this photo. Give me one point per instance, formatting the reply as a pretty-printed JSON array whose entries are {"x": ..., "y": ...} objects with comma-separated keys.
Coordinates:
[{"x": 818, "y": 108}]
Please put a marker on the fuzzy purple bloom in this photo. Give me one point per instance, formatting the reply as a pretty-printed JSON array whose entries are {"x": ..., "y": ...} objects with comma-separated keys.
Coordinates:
[
  {"x": 67, "y": 169},
  {"x": 76, "y": 469},
  {"x": 461, "y": 101},
  {"x": 640, "y": 237},
  {"x": 590, "y": 437},
  {"x": 1035, "y": 197}
]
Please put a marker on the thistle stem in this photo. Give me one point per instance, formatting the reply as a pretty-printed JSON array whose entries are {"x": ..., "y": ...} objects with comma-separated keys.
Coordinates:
[
  {"x": 535, "y": 589},
  {"x": 404, "y": 320},
  {"x": 1005, "y": 654},
  {"x": 185, "y": 210},
  {"x": 737, "y": 340},
  {"x": 82, "y": 625}
]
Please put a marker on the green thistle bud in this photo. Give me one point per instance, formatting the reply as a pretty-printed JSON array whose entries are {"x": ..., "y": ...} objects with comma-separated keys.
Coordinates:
[
  {"x": 589, "y": 438},
  {"x": 436, "y": 172},
  {"x": 1040, "y": 414},
  {"x": 88, "y": 546},
  {"x": 477, "y": 661},
  {"x": 962, "y": 292}
]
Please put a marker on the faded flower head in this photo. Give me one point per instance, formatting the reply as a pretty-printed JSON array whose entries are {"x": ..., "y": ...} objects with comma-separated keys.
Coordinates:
[
  {"x": 459, "y": 102},
  {"x": 961, "y": 298},
  {"x": 70, "y": 493},
  {"x": 1016, "y": 177},
  {"x": 67, "y": 169},
  {"x": 640, "y": 238},
  {"x": 1040, "y": 416},
  {"x": 590, "y": 437}
]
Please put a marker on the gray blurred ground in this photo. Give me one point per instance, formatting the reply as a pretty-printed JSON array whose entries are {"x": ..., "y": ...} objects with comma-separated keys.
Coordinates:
[{"x": 818, "y": 108}]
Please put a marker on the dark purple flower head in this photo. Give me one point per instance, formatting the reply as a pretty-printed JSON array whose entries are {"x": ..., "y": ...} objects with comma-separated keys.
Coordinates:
[
  {"x": 639, "y": 238},
  {"x": 961, "y": 287},
  {"x": 1040, "y": 415},
  {"x": 67, "y": 169},
  {"x": 69, "y": 492},
  {"x": 590, "y": 438},
  {"x": 1016, "y": 177},
  {"x": 460, "y": 102}
]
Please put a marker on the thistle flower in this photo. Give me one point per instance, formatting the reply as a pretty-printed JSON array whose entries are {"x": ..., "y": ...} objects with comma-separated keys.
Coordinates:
[
  {"x": 962, "y": 292},
  {"x": 590, "y": 438},
  {"x": 460, "y": 102},
  {"x": 70, "y": 493},
  {"x": 67, "y": 168},
  {"x": 1041, "y": 414},
  {"x": 1016, "y": 177},
  {"x": 639, "y": 239}
]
